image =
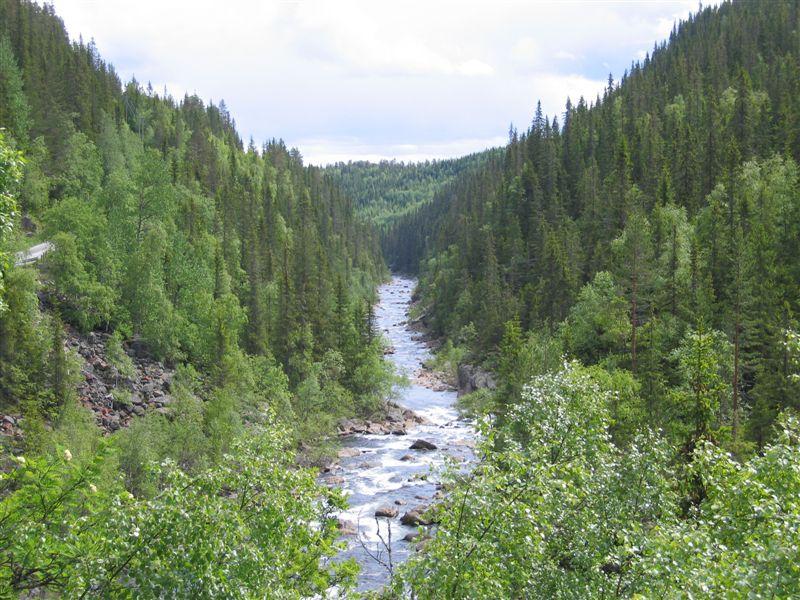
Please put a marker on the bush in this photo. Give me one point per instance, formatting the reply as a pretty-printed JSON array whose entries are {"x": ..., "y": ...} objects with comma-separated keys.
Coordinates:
[
  {"x": 559, "y": 511},
  {"x": 252, "y": 526}
]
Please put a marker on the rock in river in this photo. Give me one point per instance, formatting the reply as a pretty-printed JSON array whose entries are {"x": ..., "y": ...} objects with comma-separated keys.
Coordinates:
[
  {"x": 389, "y": 512},
  {"x": 348, "y": 452},
  {"x": 423, "y": 445},
  {"x": 415, "y": 517}
]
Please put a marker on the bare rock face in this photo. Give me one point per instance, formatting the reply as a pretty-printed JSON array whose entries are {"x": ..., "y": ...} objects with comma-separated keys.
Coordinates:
[
  {"x": 471, "y": 379},
  {"x": 389, "y": 512},
  {"x": 423, "y": 445}
]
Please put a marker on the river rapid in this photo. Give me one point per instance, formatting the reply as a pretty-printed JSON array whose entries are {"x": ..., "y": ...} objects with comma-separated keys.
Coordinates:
[{"x": 384, "y": 471}]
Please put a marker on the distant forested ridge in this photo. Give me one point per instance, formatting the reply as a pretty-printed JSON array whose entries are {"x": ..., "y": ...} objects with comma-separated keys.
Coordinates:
[
  {"x": 246, "y": 272},
  {"x": 385, "y": 191},
  {"x": 667, "y": 204}
]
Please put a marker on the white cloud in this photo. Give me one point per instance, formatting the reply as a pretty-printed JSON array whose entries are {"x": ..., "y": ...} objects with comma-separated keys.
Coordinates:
[
  {"x": 564, "y": 55},
  {"x": 319, "y": 151},
  {"x": 430, "y": 74}
]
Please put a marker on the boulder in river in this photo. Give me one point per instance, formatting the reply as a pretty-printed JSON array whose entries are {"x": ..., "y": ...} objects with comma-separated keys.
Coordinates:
[
  {"x": 347, "y": 527},
  {"x": 348, "y": 452},
  {"x": 415, "y": 517},
  {"x": 423, "y": 445},
  {"x": 406, "y": 457},
  {"x": 390, "y": 512}
]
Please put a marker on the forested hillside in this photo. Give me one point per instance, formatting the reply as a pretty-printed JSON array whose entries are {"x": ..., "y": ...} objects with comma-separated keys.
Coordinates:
[
  {"x": 385, "y": 191},
  {"x": 630, "y": 272},
  {"x": 666, "y": 205},
  {"x": 246, "y": 272}
]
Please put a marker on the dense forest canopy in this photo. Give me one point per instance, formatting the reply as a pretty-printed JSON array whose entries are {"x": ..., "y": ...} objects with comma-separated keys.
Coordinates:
[
  {"x": 385, "y": 191},
  {"x": 666, "y": 205},
  {"x": 244, "y": 271},
  {"x": 629, "y": 272}
]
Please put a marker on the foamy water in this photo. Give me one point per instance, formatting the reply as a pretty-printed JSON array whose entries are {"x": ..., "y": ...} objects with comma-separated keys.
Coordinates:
[{"x": 378, "y": 477}]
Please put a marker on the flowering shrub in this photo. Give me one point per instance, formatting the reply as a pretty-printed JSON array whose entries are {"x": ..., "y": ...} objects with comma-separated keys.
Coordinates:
[{"x": 556, "y": 510}]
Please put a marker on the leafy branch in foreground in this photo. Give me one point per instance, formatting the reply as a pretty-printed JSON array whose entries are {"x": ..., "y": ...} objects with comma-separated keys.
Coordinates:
[
  {"x": 557, "y": 509},
  {"x": 250, "y": 526}
]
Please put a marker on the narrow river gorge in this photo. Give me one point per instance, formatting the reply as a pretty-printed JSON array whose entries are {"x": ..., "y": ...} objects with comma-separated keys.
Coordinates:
[{"x": 382, "y": 471}]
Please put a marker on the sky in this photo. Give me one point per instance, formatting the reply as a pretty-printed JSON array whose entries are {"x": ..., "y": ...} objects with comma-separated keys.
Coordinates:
[{"x": 369, "y": 80}]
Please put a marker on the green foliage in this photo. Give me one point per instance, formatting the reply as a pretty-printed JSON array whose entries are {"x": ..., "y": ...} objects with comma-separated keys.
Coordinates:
[
  {"x": 561, "y": 511},
  {"x": 10, "y": 174},
  {"x": 558, "y": 512},
  {"x": 14, "y": 109},
  {"x": 84, "y": 300},
  {"x": 447, "y": 359},
  {"x": 386, "y": 191},
  {"x": 704, "y": 364},
  {"x": 597, "y": 327},
  {"x": 248, "y": 527},
  {"x": 744, "y": 534},
  {"x": 118, "y": 357},
  {"x": 638, "y": 216}
]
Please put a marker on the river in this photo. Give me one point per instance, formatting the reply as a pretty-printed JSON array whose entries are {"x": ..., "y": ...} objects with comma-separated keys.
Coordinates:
[{"x": 385, "y": 472}]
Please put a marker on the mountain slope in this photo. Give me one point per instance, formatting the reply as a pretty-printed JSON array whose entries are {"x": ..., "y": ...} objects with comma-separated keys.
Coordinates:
[
  {"x": 385, "y": 191},
  {"x": 680, "y": 181}
]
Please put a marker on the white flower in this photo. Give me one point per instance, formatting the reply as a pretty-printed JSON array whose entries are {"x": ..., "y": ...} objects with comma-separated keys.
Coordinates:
[
  {"x": 67, "y": 454},
  {"x": 93, "y": 488},
  {"x": 20, "y": 459}
]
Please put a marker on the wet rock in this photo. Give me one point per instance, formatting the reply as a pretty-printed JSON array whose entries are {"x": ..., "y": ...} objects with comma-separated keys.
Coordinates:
[
  {"x": 415, "y": 517},
  {"x": 348, "y": 452},
  {"x": 464, "y": 443},
  {"x": 347, "y": 527},
  {"x": 334, "y": 480},
  {"x": 400, "y": 502},
  {"x": 422, "y": 445},
  {"x": 406, "y": 457},
  {"x": 389, "y": 512}
]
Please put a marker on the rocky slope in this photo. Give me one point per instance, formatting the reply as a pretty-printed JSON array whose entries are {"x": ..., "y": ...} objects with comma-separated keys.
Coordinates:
[
  {"x": 114, "y": 398},
  {"x": 147, "y": 388}
]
